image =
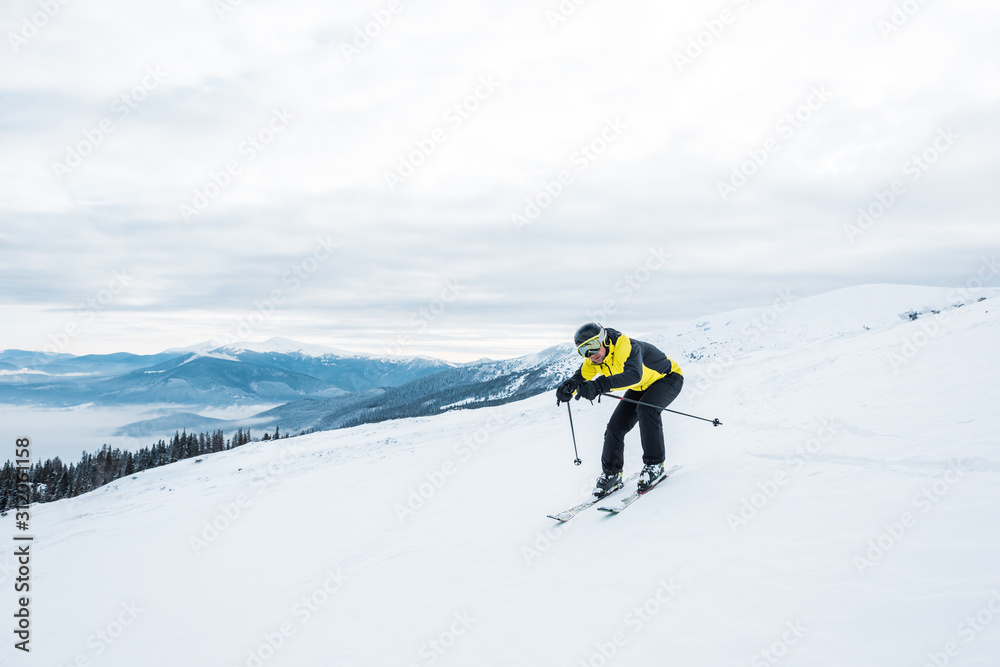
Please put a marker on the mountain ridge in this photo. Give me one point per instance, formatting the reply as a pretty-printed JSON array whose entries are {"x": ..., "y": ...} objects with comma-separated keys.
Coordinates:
[{"x": 717, "y": 340}]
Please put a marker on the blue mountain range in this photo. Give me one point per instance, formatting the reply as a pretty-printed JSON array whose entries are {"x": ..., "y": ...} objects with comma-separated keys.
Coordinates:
[
  {"x": 220, "y": 376},
  {"x": 312, "y": 387}
]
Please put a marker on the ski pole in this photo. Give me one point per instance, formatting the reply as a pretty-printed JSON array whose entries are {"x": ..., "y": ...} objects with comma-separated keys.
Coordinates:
[
  {"x": 714, "y": 422},
  {"x": 569, "y": 410}
]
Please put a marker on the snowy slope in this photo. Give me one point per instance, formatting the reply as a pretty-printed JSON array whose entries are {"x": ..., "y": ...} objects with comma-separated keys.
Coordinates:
[{"x": 845, "y": 514}]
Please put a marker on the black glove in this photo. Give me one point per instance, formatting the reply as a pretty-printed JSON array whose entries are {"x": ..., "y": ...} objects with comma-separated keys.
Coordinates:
[
  {"x": 589, "y": 390},
  {"x": 564, "y": 394}
]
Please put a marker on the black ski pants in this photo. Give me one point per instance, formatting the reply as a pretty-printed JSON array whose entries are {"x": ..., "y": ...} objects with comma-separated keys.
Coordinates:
[{"x": 626, "y": 415}]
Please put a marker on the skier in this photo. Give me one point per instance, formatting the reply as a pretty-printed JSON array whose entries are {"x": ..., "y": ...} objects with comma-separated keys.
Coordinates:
[{"x": 613, "y": 361}]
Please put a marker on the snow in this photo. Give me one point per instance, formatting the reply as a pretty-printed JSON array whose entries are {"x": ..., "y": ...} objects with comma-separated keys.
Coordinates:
[
  {"x": 458, "y": 404},
  {"x": 275, "y": 344},
  {"x": 200, "y": 348},
  {"x": 845, "y": 514},
  {"x": 282, "y": 345}
]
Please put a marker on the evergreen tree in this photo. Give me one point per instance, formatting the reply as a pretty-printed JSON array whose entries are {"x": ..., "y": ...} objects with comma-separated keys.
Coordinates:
[
  {"x": 63, "y": 486},
  {"x": 52, "y": 480}
]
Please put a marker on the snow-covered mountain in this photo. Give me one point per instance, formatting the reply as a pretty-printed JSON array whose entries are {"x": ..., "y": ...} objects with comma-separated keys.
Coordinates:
[
  {"x": 716, "y": 340},
  {"x": 844, "y": 514},
  {"x": 203, "y": 375},
  {"x": 482, "y": 383},
  {"x": 281, "y": 345}
]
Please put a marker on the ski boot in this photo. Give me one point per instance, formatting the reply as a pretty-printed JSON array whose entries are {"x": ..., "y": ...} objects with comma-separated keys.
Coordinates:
[
  {"x": 649, "y": 476},
  {"x": 607, "y": 484}
]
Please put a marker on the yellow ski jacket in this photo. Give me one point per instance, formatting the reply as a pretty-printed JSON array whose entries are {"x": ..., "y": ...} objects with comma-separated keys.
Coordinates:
[{"x": 629, "y": 364}]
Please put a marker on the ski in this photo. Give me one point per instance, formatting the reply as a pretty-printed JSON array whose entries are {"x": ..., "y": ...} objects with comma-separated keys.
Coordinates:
[
  {"x": 566, "y": 515},
  {"x": 618, "y": 506}
]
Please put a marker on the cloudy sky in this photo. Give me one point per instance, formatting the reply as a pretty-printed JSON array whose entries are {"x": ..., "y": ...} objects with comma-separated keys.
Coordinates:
[{"x": 477, "y": 179}]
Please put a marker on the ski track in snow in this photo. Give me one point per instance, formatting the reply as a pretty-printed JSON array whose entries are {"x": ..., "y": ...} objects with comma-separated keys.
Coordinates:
[{"x": 845, "y": 514}]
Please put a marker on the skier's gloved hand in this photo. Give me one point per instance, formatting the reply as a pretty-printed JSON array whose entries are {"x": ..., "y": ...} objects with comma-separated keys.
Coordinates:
[
  {"x": 564, "y": 394},
  {"x": 589, "y": 390}
]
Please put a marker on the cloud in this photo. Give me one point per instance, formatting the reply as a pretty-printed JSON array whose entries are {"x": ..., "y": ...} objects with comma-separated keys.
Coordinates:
[{"x": 493, "y": 111}]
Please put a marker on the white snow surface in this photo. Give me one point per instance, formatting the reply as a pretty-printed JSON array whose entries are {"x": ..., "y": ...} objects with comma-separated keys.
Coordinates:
[
  {"x": 282, "y": 345},
  {"x": 846, "y": 513}
]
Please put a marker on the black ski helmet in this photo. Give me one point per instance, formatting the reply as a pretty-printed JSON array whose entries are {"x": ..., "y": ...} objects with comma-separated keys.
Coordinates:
[{"x": 588, "y": 331}]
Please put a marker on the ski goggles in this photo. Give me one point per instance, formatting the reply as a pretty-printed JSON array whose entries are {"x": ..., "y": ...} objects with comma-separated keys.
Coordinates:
[{"x": 590, "y": 346}]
